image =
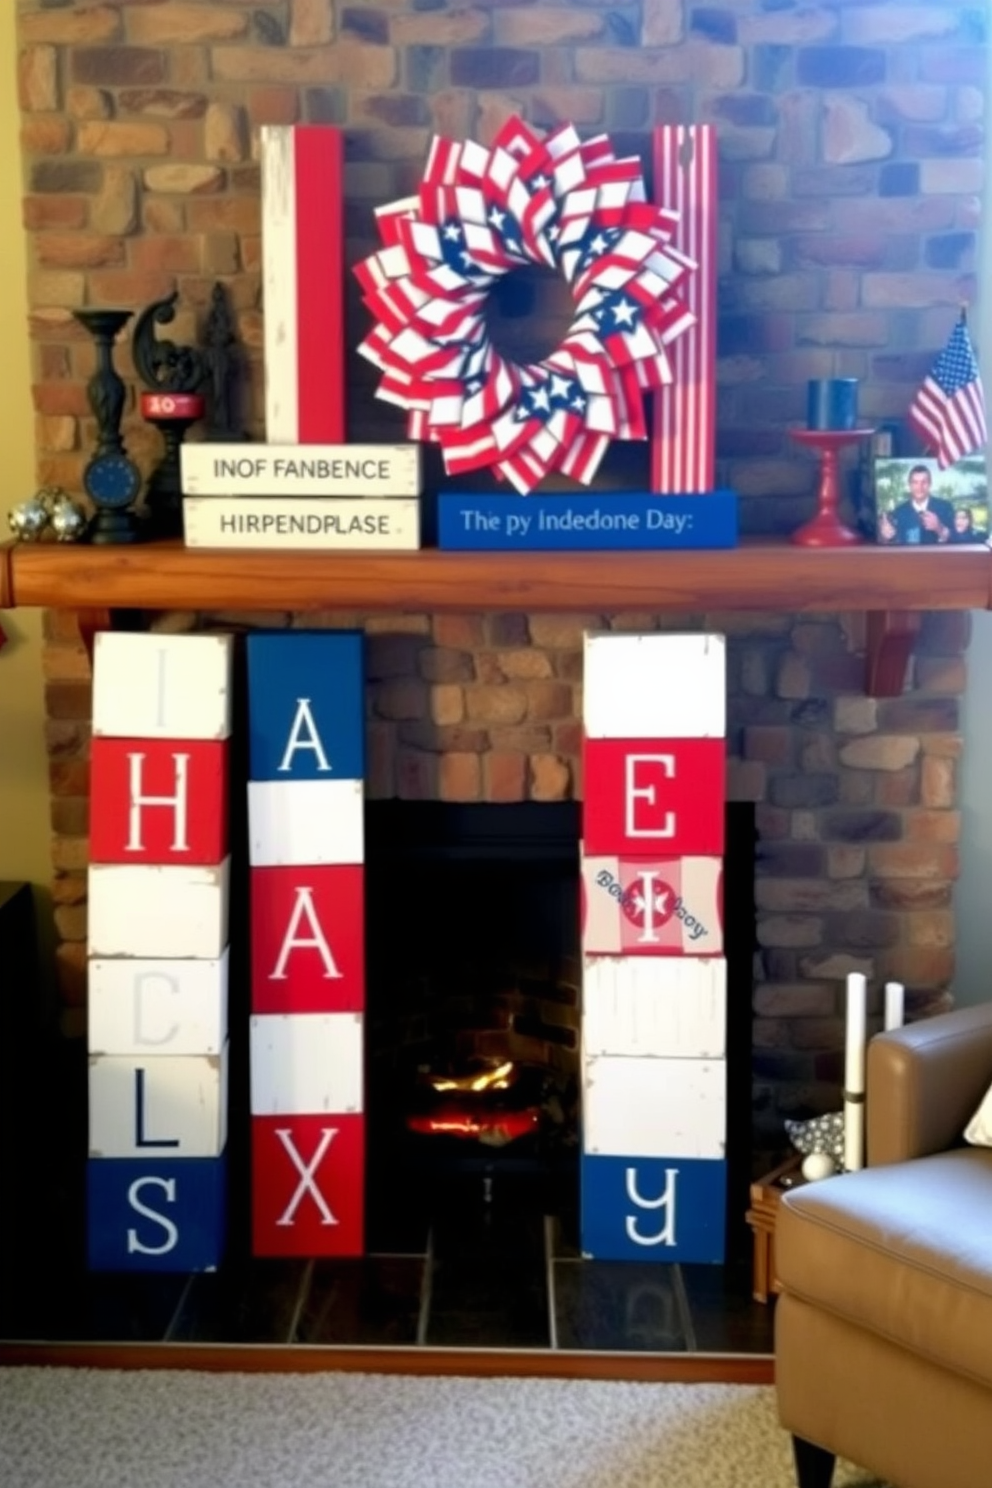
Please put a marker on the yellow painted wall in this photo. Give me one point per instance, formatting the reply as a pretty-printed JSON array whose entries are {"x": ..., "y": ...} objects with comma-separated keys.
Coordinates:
[{"x": 24, "y": 834}]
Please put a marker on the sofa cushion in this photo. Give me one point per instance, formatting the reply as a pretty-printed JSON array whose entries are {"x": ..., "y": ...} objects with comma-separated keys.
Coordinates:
[{"x": 903, "y": 1250}]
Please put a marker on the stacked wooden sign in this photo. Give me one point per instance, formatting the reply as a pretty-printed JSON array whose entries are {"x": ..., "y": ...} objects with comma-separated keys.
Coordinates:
[
  {"x": 654, "y": 989},
  {"x": 158, "y": 933},
  {"x": 305, "y": 488},
  {"x": 306, "y": 849}
]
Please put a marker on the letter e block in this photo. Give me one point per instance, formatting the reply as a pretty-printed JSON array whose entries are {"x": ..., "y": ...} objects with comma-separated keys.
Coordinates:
[
  {"x": 307, "y": 1064},
  {"x": 308, "y": 1179},
  {"x": 307, "y": 940},
  {"x": 654, "y": 796},
  {"x": 158, "y": 911},
  {"x": 158, "y": 1007},
  {"x": 306, "y": 706},
  {"x": 148, "y": 686},
  {"x": 158, "y": 801},
  {"x": 153, "y": 1215},
  {"x": 654, "y": 1107},
  {"x": 163, "y": 1105},
  {"x": 655, "y": 687},
  {"x": 656, "y": 1209}
]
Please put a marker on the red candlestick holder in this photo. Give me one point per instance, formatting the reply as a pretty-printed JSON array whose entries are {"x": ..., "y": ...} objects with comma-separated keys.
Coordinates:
[{"x": 826, "y": 530}]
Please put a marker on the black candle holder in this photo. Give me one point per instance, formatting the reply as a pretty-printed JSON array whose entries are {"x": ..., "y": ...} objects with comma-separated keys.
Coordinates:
[
  {"x": 111, "y": 478},
  {"x": 173, "y": 375}
]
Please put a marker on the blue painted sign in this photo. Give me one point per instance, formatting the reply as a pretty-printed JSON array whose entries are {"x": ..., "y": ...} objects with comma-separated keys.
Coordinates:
[
  {"x": 654, "y": 1209},
  {"x": 601, "y": 520},
  {"x": 306, "y": 706},
  {"x": 156, "y": 1215}
]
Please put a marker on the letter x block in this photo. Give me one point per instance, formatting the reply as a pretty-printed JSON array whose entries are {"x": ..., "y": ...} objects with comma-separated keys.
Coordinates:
[{"x": 308, "y": 1176}]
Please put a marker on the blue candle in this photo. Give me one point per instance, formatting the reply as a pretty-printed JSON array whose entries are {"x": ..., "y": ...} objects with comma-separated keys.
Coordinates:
[{"x": 832, "y": 403}]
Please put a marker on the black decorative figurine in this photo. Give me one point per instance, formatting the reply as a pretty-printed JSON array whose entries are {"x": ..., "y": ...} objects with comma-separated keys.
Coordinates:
[
  {"x": 173, "y": 374},
  {"x": 226, "y": 372},
  {"x": 111, "y": 479}
]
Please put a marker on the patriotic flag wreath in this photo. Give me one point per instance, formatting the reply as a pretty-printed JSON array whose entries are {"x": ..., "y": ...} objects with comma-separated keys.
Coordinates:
[{"x": 565, "y": 204}]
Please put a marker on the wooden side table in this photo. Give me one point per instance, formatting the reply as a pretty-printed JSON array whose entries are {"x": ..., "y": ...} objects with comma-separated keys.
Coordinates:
[{"x": 766, "y": 1196}]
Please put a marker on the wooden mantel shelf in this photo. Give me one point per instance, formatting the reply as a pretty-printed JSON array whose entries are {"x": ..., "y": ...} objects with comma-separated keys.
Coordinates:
[
  {"x": 759, "y": 575},
  {"x": 893, "y": 585}
]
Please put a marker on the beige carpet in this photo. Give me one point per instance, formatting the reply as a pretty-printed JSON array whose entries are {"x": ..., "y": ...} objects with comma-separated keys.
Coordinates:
[{"x": 68, "y": 1428}]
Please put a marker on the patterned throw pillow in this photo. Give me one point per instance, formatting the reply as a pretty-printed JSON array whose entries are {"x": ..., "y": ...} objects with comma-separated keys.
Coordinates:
[
  {"x": 823, "y": 1134},
  {"x": 979, "y": 1129}
]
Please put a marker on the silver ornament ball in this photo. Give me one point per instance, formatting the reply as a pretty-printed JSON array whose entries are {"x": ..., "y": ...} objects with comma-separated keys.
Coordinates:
[
  {"x": 29, "y": 520},
  {"x": 69, "y": 521}
]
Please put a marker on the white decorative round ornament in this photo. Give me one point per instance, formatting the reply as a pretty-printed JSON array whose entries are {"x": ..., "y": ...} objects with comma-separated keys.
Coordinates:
[
  {"x": 559, "y": 202},
  {"x": 818, "y": 1165}
]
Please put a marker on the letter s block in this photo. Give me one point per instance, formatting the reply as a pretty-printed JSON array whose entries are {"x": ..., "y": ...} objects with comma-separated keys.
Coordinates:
[
  {"x": 661, "y": 1209},
  {"x": 156, "y": 1215},
  {"x": 158, "y": 801}
]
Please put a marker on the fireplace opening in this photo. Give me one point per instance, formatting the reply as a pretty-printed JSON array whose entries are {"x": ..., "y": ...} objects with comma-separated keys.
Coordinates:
[{"x": 473, "y": 1008}]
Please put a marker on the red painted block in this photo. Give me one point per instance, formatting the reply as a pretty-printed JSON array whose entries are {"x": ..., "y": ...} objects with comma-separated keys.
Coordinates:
[
  {"x": 158, "y": 801},
  {"x": 644, "y": 796},
  {"x": 308, "y": 940},
  {"x": 308, "y": 1180}
]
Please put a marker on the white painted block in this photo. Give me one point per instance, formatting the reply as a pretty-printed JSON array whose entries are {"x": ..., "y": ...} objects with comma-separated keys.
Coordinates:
[
  {"x": 151, "y": 912},
  {"x": 281, "y": 328},
  {"x": 157, "y": 1007},
  {"x": 655, "y": 687},
  {"x": 306, "y": 1064},
  {"x": 158, "y": 1107},
  {"x": 654, "y": 1107},
  {"x": 655, "y": 1006},
  {"x": 308, "y": 822},
  {"x": 148, "y": 686}
]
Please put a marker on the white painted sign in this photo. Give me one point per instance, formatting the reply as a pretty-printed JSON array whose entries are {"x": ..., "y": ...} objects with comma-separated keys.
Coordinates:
[
  {"x": 148, "y": 686},
  {"x": 309, "y": 822},
  {"x": 300, "y": 469},
  {"x": 655, "y": 687},
  {"x": 658, "y": 1005},
  {"x": 302, "y": 522},
  {"x": 158, "y": 1107},
  {"x": 157, "y": 1007},
  {"x": 153, "y": 911},
  {"x": 306, "y": 1064},
  {"x": 654, "y": 1107}
]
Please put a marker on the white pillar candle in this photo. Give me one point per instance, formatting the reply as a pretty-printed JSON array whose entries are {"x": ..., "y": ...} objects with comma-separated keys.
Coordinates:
[
  {"x": 854, "y": 1071},
  {"x": 895, "y": 1005}
]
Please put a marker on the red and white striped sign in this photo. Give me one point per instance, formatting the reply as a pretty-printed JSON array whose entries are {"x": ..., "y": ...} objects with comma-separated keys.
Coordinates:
[
  {"x": 683, "y": 451},
  {"x": 303, "y": 256}
]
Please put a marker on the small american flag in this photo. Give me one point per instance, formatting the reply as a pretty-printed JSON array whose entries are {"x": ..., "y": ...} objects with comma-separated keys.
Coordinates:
[{"x": 948, "y": 412}]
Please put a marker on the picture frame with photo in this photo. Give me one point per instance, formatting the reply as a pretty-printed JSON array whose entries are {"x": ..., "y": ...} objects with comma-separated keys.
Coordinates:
[{"x": 919, "y": 504}]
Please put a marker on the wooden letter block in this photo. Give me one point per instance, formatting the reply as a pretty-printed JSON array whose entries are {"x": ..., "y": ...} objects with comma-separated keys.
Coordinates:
[
  {"x": 305, "y": 821},
  {"x": 158, "y": 912},
  {"x": 166, "y": 1106},
  {"x": 307, "y": 940},
  {"x": 646, "y": 796},
  {"x": 655, "y": 1209},
  {"x": 652, "y": 906},
  {"x": 158, "y": 801},
  {"x": 148, "y": 686},
  {"x": 674, "y": 1008},
  {"x": 655, "y": 687},
  {"x": 306, "y": 1064},
  {"x": 654, "y": 1107},
  {"x": 153, "y": 1214},
  {"x": 157, "y": 1007},
  {"x": 308, "y": 1176},
  {"x": 306, "y": 706}
]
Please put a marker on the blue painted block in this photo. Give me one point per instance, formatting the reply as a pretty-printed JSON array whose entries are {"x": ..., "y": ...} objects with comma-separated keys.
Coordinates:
[
  {"x": 306, "y": 706},
  {"x": 654, "y": 1208},
  {"x": 598, "y": 520},
  {"x": 158, "y": 1215}
]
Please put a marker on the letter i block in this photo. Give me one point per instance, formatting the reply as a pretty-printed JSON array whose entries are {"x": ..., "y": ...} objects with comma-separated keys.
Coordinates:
[
  {"x": 653, "y": 1209},
  {"x": 307, "y": 940},
  {"x": 655, "y": 687},
  {"x": 652, "y": 906},
  {"x": 158, "y": 801},
  {"x": 306, "y": 706},
  {"x": 647, "y": 796},
  {"x": 161, "y": 687},
  {"x": 308, "y": 1175},
  {"x": 150, "y": 1214}
]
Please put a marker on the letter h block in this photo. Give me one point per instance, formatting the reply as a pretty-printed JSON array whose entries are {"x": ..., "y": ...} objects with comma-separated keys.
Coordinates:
[
  {"x": 157, "y": 943},
  {"x": 306, "y": 849},
  {"x": 653, "y": 1039}
]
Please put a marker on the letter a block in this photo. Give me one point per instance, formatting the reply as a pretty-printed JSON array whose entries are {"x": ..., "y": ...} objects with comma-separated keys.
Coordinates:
[
  {"x": 307, "y": 940},
  {"x": 306, "y": 706},
  {"x": 148, "y": 1215},
  {"x": 653, "y": 1209},
  {"x": 308, "y": 1175},
  {"x": 647, "y": 796},
  {"x": 158, "y": 801}
]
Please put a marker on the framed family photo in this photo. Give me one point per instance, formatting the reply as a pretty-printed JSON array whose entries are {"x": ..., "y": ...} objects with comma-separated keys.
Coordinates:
[{"x": 916, "y": 502}]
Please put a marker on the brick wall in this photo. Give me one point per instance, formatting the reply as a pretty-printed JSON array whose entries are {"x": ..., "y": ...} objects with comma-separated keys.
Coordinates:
[{"x": 851, "y": 142}]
